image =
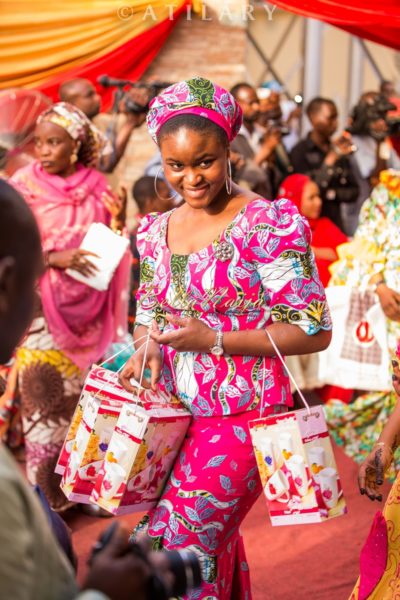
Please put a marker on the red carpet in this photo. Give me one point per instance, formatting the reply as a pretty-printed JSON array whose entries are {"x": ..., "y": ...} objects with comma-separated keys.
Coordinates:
[{"x": 286, "y": 563}]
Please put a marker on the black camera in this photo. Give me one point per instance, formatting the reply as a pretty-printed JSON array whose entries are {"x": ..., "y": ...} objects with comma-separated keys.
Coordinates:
[
  {"x": 183, "y": 565},
  {"x": 367, "y": 112},
  {"x": 131, "y": 105}
]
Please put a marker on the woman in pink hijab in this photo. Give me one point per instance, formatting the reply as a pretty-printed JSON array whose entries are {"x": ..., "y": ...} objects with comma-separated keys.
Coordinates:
[{"x": 74, "y": 323}]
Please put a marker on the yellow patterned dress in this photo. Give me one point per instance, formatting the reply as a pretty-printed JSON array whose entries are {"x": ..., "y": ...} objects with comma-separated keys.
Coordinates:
[{"x": 50, "y": 385}]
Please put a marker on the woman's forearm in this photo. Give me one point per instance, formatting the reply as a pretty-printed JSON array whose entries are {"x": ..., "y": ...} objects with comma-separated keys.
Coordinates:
[
  {"x": 290, "y": 340},
  {"x": 391, "y": 432}
]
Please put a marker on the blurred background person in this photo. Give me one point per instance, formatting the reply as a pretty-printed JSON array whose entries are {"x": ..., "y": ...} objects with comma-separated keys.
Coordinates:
[
  {"x": 370, "y": 133},
  {"x": 74, "y": 323},
  {"x": 326, "y": 237},
  {"x": 32, "y": 563},
  {"x": 117, "y": 126},
  {"x": 152, "y": 195},
  {"x": 256, "y": 145},
  {"x": 371, "y": 260},
  {"x": 326, "y": 160}
]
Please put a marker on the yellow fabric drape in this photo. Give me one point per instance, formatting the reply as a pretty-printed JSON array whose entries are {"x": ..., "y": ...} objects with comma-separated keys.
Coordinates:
[{"x": 40, "y": 40}]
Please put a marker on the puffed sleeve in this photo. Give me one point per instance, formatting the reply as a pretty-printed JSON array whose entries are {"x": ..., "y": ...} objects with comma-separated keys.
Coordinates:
[
  {"x": 147, "y": 237},
  {"x": 278, "y": 245}
]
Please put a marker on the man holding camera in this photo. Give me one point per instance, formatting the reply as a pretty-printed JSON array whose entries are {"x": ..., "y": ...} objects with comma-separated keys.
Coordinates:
[
  {"x": 32, "y": 563},
  {"x": 326, "y": 160},
  {"x": 370, "y": 128},
  {"x": 130, "y": 114},
  {"x": 256, "y": 146}
]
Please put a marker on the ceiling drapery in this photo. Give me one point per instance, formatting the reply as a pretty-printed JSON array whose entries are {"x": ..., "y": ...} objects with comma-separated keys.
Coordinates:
[{"x": 375, "y": 21}]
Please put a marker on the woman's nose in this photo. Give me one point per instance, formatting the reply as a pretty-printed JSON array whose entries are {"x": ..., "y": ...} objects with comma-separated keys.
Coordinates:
[{"x": 192, "y": 176}]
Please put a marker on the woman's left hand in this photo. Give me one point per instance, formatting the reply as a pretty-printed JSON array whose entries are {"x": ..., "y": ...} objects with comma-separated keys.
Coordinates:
[
  {"x": 116, "y": 205},
  {"x": 191, "y": 335}
]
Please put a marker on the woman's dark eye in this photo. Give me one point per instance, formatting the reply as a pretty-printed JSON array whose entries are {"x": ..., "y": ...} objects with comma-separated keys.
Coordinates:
[{"x": 205, "y": 164}]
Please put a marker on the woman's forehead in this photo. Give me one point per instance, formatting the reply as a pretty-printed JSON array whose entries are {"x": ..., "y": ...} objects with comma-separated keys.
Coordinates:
[
  {"x": 190, "y": 142},
  {"x": 47, "y": 129}
]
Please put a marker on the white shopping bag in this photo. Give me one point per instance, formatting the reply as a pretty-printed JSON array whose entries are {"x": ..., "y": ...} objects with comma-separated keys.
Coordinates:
[{"x": 358, "y": 355}]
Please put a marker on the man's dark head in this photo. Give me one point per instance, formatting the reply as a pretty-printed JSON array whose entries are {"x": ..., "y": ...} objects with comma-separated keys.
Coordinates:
[
  {"x": 148, "y": 199},
  {"x": 246, "y": 96},
  {"x": 387, "y": 89},
  {"x": 81, "y": 93},
  {"x": 20, "y": 266},
  {"x": 323, "y": 116}
]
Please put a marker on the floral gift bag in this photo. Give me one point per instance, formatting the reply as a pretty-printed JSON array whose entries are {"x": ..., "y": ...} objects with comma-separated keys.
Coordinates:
[
  {"x": 297, "y": 466},
  {"x": 141, "y": 454}
]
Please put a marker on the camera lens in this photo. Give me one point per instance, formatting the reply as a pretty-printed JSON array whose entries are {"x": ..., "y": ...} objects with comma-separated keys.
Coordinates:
[{"x": 186, "y": 569}]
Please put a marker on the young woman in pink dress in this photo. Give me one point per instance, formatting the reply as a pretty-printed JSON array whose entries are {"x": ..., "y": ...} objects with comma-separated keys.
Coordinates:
[{"x": 216, "y": 272}]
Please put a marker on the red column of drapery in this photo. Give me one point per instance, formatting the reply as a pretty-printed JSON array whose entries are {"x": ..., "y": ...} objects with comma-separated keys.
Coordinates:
[
  {"x": 128, "y": 61},
  {"x": 375, "y": 21}
]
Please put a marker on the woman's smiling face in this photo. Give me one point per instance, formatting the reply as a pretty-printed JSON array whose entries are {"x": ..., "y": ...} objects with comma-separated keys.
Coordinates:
[{"x": 196, "y": 165}]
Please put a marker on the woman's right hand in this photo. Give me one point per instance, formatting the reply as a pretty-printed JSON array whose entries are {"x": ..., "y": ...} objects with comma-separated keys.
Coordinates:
[
  {"x": 390, "y": 301},
  {"x": 73, "y": 258},
  {"x": 372, "y": 471},
  {"x": 134, "y": 366}
]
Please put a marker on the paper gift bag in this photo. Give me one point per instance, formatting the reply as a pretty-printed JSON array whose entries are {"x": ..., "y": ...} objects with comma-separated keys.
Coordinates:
[
  {"x": 358, "y": 356},
  {"x": 141, "y": 454},
  {"x": 296, "y": 464},
  {"x": 297, "y": 467},
  {"x": 101, "y": 401},
  {"x": 70, "y": 437}
]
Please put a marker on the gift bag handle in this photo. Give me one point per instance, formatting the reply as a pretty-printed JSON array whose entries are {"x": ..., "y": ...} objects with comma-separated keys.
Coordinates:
[
  {"x": 146, "y": 343},
  {"x": 275, "y": 347}
]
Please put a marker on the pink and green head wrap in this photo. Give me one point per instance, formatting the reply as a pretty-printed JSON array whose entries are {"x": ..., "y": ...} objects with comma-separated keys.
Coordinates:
[{"x": 195, "y": 96}]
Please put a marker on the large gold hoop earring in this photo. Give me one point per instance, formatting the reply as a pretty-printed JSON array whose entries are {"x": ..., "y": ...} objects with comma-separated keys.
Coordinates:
[
  {"x": 155, "y": 188},
  {"x": 228, "y": 180}
]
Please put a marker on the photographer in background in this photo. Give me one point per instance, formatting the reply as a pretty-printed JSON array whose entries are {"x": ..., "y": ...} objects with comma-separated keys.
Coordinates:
[
  {"x": 256, "y": 145},
  {"x": 326, "y": 160},
  {"x": 370, "y": 130},
  {"x": 130, "y": 113}
]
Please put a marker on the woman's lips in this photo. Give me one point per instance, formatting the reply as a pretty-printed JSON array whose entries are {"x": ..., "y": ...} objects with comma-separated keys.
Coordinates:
[{"x": 196, "y": 192}]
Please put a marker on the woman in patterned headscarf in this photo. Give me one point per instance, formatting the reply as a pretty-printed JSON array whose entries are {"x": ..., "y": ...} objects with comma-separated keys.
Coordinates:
[
  {"x": 74, "y": 323},
  {"x": 216, "y": 272}
]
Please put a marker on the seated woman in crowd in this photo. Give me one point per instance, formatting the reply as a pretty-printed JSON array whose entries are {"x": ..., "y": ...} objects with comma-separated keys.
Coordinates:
[{"x": 74, "y": 323}]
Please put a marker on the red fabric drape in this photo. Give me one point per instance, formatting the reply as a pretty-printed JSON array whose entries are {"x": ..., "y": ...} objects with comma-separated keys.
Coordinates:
[
  {"x": 375, "y": 21},
  {"x": 128, "y": 61}
]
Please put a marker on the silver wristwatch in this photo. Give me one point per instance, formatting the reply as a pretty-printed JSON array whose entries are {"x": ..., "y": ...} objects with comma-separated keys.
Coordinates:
[{"x": 217, "y": 349}]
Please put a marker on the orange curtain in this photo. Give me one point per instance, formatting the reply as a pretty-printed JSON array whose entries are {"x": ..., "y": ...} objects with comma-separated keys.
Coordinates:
[{"x": 43, "y": 44}]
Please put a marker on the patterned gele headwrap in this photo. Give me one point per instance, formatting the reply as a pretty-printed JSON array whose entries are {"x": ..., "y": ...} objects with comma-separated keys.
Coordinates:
[
  {"x": 80, "y": 128},
  {"x": 195, "y": 96}
]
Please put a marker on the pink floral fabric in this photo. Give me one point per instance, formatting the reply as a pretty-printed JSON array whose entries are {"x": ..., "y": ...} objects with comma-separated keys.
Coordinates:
[
  {"x": 196, "y": 96},
  {"x": 260, "y": 270}
]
